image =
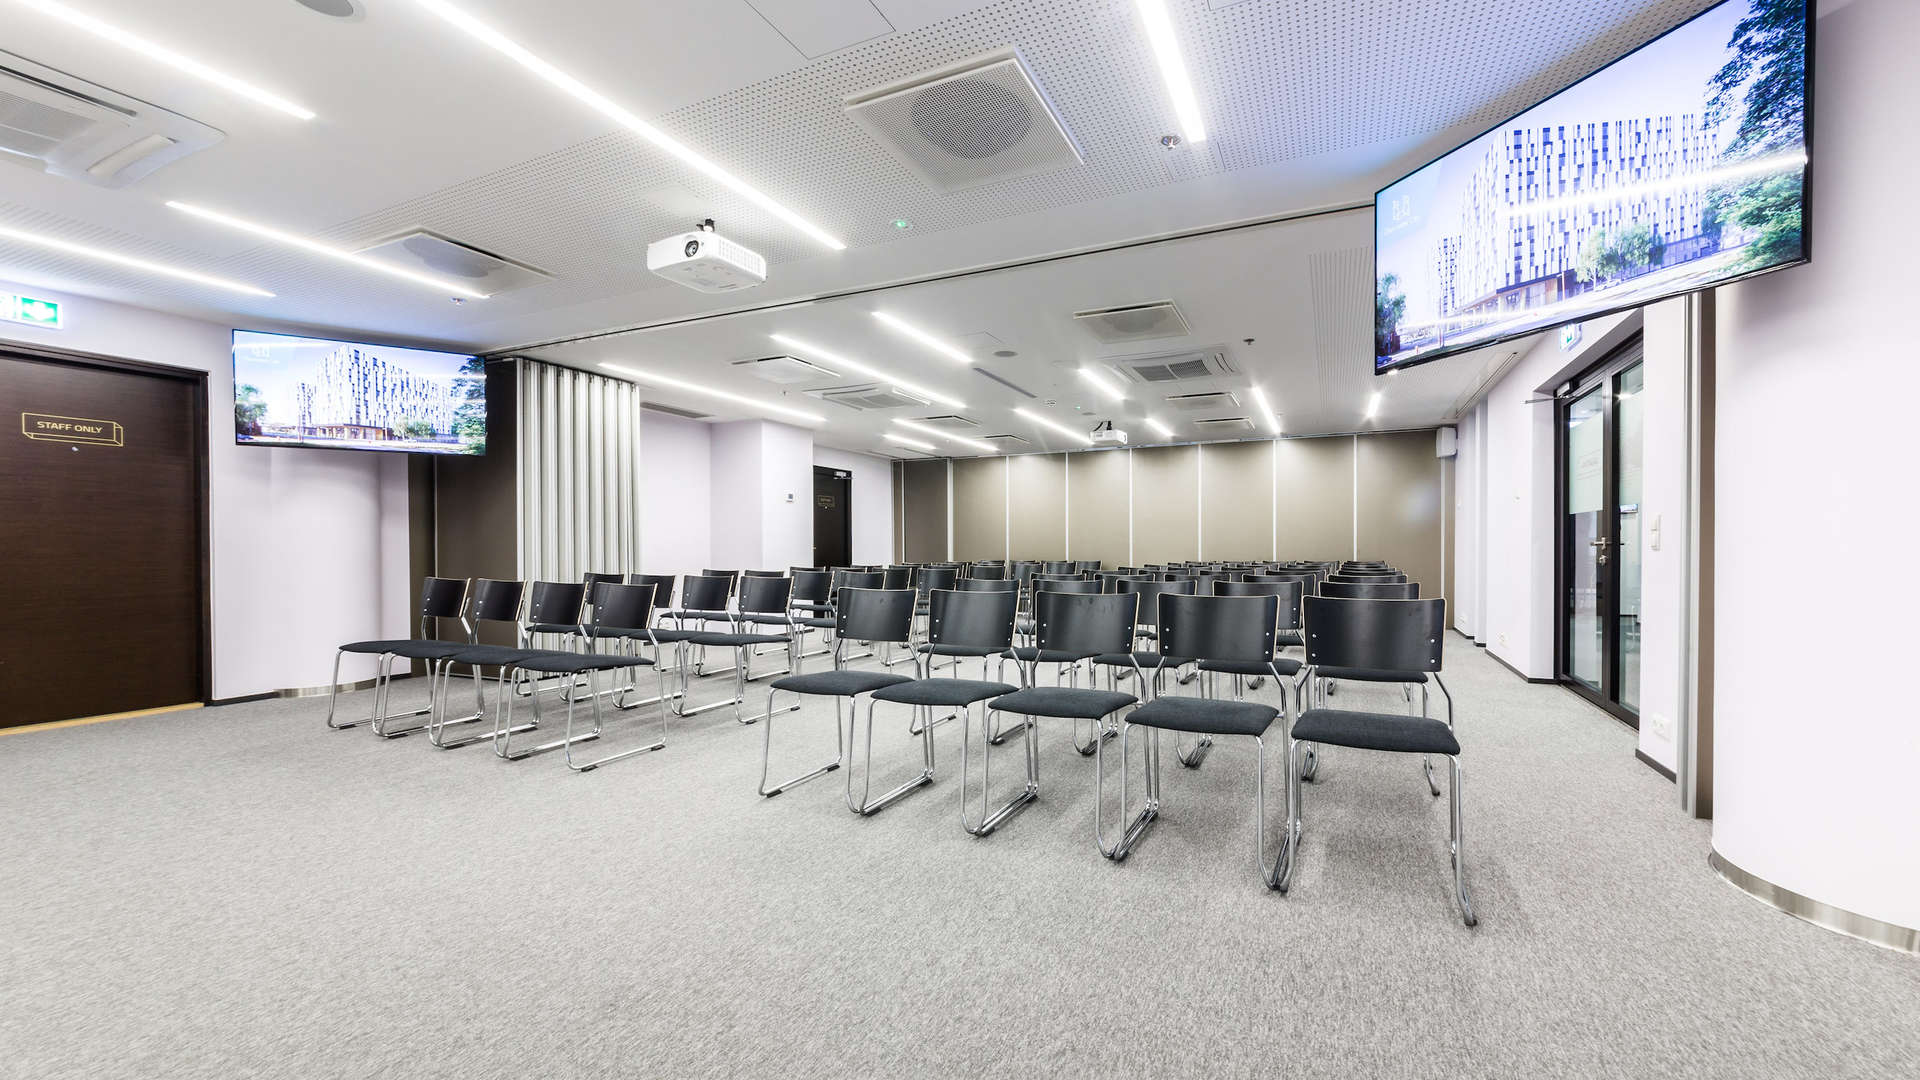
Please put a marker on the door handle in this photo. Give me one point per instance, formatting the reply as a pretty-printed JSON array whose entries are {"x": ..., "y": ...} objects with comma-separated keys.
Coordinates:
[{"x": 1602, "y": 545}]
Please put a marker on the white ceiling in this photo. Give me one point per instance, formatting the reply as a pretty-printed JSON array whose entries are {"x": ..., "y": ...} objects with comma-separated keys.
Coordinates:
[{"x": 1310, "y": 103}]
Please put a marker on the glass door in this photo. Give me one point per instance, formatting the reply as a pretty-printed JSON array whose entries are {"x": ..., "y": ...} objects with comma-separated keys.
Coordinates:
[{"x": 1599, "y": 561}]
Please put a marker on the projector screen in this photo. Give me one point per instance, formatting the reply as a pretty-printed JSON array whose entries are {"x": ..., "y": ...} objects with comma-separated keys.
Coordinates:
[
  {"x": 1680, "y": 166},
  {"x": 344, "y": 395}
]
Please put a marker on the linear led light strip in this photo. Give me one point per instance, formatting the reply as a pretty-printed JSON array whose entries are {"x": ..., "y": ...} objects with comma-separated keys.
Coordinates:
[
  {"x": 1163, "y": 430},
  {"x": 868, "y": 370},
  {"x": 1093, "y": 379},
  {"x": 1266, "y": 411},
  {"x": 68, "y": 247},
  {"x": 927, "y": 429},
  {"x": 904, "y": 441},
  {"x": 1173, "y": 68},
  {"x": 160, "y": 53},
  {"x": 1080, "y": 436},
  {"x": 1373, "y": 404},
  {"x": 319, "y": 248},
  {"x": 923, "y": 337},
  {"x": 697, "y": 388},
  {"x": 594, "y": 100},
  {"x": 1712, "y": 177}
]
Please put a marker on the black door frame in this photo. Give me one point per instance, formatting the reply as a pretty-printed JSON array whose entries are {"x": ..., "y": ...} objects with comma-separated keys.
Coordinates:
[
  {"x": 203, "y": 493},
  {"x": 846, "y": 512},
  {"x": 1604, "y": 373}
]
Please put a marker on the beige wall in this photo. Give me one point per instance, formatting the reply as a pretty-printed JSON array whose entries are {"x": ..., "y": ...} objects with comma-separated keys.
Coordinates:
[
  {"x": 1166, "y": 504},
  {"x": 1236, "y": 500},
  {"x": 1098, "y": 506},
  {"x": 1314, "y": 485},
  {"x": 923, "y": 513},
  {"x": 1039, "y": 501},
  {"x": 1400, "y": 492},
  {"x": 980, "y": 508}
]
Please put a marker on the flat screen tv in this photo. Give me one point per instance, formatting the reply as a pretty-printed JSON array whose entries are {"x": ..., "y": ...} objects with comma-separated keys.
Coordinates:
[
  {"x": 350, "y": 395},
  {"x": 1680, "y": 166}
]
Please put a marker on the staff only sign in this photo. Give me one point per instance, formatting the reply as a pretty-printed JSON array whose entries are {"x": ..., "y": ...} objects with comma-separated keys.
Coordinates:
[{"x": 47, "y": 427}]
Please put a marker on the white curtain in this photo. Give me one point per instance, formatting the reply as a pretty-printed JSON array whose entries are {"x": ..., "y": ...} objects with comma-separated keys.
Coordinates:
[{"x": 578, "y": 473}]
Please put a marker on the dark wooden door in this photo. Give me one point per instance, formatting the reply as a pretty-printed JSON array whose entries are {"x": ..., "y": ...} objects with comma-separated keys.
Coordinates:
[
  {"x": 832, "y": 517},
  {"x": 103, "y": 529}
]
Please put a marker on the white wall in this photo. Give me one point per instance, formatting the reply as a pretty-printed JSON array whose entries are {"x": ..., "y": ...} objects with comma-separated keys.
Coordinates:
[
  {"x": 1815, "y": 738},
  {"x": 872, "y": 502},
  {"x": 735, "y": 509},
  {"x": 308, "y": 547},
  {"x": 786, "y": 491},
  {"x": 676, "y": 527}
]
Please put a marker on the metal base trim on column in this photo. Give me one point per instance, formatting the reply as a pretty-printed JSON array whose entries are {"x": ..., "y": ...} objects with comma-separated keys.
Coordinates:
[{"x": 1824, "y": 915}]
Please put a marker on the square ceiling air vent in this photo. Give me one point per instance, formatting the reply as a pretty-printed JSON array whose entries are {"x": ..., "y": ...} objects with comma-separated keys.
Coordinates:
[
  {"x": 435, "y": 255},
  {"x": 871, "y": 398},
  {"x": 1218, "y": 399},
  {"x": 977, "y": 122},
  {"x": 949, "y": 420},
  {"x": 1135, "y": 322},
  {"x": 1006, "y": 440},
  {"x": 785, "y": 370},
  {"x": 73, "y": 128},
  {"x": 1173, "y": 367},
  {"x": 1226, "y": 423}
]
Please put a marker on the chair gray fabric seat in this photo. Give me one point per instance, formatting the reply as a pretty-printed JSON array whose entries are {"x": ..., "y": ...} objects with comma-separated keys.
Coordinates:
[
  {"x": 668, "y": 637},
  {"x": 552, "y": 628},
  {"x": 958, "y": 650},
  {"x": 816, "y": 622},
  {"x": 1205, "y": 716},
  {"x": 763, "y": 619},
  {"x": 1366, "y": 674},
  {"x": 843, "y": 683},
  {"x": 942, "y": 692},
  {"x": 700, "y": 616},
  {"x": 727, "y": 640},
  {"x": 566, "y": 663},
  {"x": 1027, "y": 654},
  {"x": 1288, "y": 637},
  {"x": 1062, "y": 701},
  {"x": 635, "y": 633},
  {"x": 412, "y": 648},
  {"x": 1376, "y": 731},
  {"x": 802, "y": 605},
  {"x": 1147, "y": 660},
  {"x": 493, "y": 654},
  {"x": 1287, "y": 668}
]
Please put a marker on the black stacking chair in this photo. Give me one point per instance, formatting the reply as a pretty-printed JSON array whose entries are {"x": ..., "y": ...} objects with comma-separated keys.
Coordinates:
[
  {"x": 620, "y": 612},
  {"x": 1327, "y": 680},
  {"x": 963, "y": 622},
  {"x": 761, "y": 598},
  {"x": 1247, "y": 675},
  {"x": 1231, "y": 630},
  {"x": 1056, "y": 567},
  {"x": 1069, "y": 627},
  {"x": 954, "y": 651},
  {"x": 1381, "y": 635},
  {"x": 440, "y": 598},
  {"x": 703, "y": 603},
  {"x": 1346, "y": 590},
  {"x": 1368, "y": 577},
  {"x": 1146, "y": 664},
  {"x": 763, "y": 573},
  {"x": 1087, "y": 566},
  {"x": 896, "y": 577},
  {"x": 555, "y": 616},
  {"x": 987, "y": 571},
  {"x": 853, "y": 579},
  {"x": 663, "y": 586},
  {"x": 494, "y": 601},
  {"x": 810, "y": 604},
  {"x": 549, "y": 604},
  {"x": 861, "y": 614}
]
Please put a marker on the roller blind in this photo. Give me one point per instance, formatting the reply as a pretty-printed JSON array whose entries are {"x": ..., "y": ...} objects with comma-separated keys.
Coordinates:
[{"x": 578, "y": 474}]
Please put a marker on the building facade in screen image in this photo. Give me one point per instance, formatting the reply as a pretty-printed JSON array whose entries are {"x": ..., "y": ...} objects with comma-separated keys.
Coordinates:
[
  {"x": 315, "y": 392},
  {"x": 1679, "y": 166}
]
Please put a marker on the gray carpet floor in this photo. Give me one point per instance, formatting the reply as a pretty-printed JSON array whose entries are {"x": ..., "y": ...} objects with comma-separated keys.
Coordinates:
[{"x": 240, "y": 892}]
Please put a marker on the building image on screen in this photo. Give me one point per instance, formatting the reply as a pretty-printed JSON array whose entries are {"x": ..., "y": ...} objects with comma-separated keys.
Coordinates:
[
  {"x": 295, "y": 391},
  {"x": 1678, "y": 167}
]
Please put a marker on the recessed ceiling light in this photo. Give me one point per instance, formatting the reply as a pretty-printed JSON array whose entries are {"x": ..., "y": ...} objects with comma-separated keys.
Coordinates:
[
  {"x": 53, "y": 243},
  {"x": 904, "y": 441},
  {"x": 1373, "y": 404},
  {"x": 868, "y": 370},
  {"x": 161, "y": 54},
  {"x": 902, "y": 223},
  {"x": 948, "y": 435},
  {"x": 724, "y": 395},
  {"x": 1173, "y": 68},
  {"x": 594, "y": 100},
  {"x": 1080, "y": 436},
  {"x": 923, "y": 338},
  {"x": 1093, "y": 379},
  {"x": 1164, "y": 431},
  {"x": 319, "y": 248},
  {"x": 1266, "y": 410}
]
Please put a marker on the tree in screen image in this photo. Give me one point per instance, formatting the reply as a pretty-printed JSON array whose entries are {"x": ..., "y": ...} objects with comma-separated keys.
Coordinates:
[
  {"x": 470, "y": 419},
  {"x": 1389, "y": 307},
  {"x": 249, "y": 408},
  {"x": 1629, "y": 251},
  {"x": 415, "y": 429},
  {"x": 1765, "y": 83}
]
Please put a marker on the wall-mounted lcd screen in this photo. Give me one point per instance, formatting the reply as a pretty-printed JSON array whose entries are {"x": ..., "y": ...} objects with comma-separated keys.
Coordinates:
[
  {"x": 1681, "y": 166},
  {"x": 345, "y": 395}
]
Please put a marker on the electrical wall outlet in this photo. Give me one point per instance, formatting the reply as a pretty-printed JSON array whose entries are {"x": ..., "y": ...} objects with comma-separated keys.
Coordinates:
[
  {"x": 1503, "y": 641},
  {"x": 1660, "y": 726}
]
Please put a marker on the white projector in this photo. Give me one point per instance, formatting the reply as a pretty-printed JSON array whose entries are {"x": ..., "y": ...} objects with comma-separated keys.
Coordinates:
[
  {"x": 706, "y": 261},
  {"x": 1108, "y": 436}
]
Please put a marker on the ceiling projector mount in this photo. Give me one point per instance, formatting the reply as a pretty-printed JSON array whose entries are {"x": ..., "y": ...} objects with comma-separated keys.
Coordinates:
[
  {"x": 1107, "y": 435},
  {"x": 706, "y": 261}
]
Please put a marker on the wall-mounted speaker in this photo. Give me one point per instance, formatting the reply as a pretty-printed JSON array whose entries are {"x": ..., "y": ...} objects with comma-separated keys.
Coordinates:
[{"x": 1446, "y": 442}]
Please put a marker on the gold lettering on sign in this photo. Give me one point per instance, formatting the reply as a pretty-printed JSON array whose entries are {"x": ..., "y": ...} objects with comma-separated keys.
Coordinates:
[{"x": 46, "y": 427}]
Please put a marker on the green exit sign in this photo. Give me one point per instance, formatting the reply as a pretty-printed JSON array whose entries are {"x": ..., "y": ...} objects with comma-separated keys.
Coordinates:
[{"x": 31, "y": 311}]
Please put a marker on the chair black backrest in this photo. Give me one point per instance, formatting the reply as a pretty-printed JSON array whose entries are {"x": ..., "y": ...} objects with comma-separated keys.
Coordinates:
[
  {"x": 1098, "y": 623},
  {"x": 1087, "y": 567},
  {"x": 557, "y": 602},
  {"x": 1070, "y": 586},
  {"x": 498, "y": 601},
  {"x": 929, "y": 578},
  {"x": 765, "y": 595},
  {"x": 662, "y": 588},
  {"x": 896, "y": 577},
  {"x": 857, "y": 579},
  {"x": 441, "y": 598},
  {"x": 707, "y": 592},
  {"x": 987, "y": 571},
  {"x": 1218, "y": 627},
  {"x": 1393, "y": 635},
  {"x": 869, "y": 614},
  {"x": 1056, "y": 567},
  {"x": 972, "y": 618},
  {"x": 1024, "y": 570},
  {"x": 623, "y": 607},
  {"x": 1371, "y": 577},
  {"x": 732, "y": 576},
  {"x": 1384, "y": 590},
  {"x": 1289, "y": 592},
  {"x": 592, "y": 583},
  {"x": 1150, "y": 593},
  {"x": 812, "y": 586},
  {"x": 764, "y": 573},
  {"x": 987, "y": 585}
]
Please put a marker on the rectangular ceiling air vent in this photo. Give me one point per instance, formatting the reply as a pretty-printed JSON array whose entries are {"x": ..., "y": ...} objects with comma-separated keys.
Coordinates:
[
  {"x": 1218, "y": 399},
  {"x": 1005, "y": 440},
  {"x": 870, "y": 398},
  {"x": 1135, "y": 322},
  {"x": 1173, "y": 367},
  {"x": 980, "y": 121},
  {"x": 949, "y": 420},
  {"x": 785, "y": 370},
  {"x": 1013, "y": 386},
  {"x": 435, "y": 255},
  {"x": 674, "y": 410},
  {"x": 1226, "y": 423},
  {"x": 73, "y": 128}
]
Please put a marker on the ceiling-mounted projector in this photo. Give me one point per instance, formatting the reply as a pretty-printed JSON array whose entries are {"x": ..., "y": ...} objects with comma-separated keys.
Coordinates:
[
  {"x": 1108, "y": 435},
  {"x": 705, "y": 260}
]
